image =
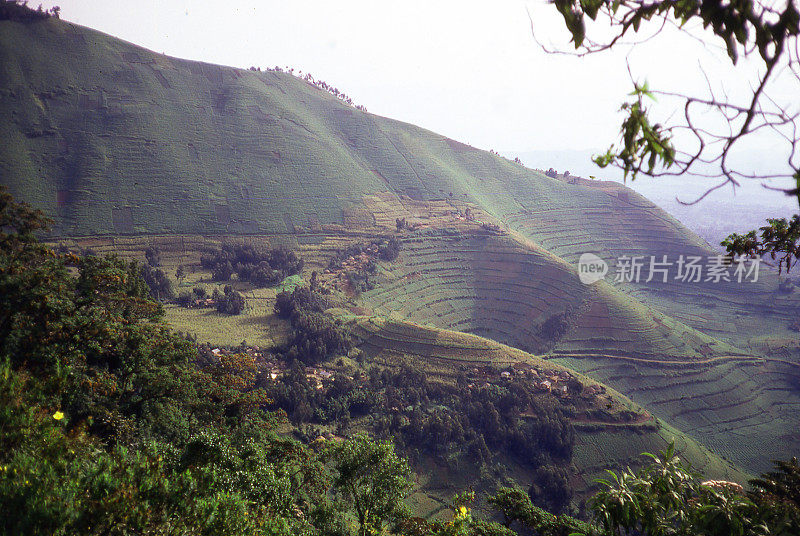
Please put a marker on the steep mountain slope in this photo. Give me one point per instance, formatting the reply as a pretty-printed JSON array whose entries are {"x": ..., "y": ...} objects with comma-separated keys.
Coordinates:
[{"x": 114, "y": 140}]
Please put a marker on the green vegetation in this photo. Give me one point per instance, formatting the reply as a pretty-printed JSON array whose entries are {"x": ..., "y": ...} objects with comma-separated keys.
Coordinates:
[
  {"x": 105, "y": 420},
  {"x": 315, "y": 335},
  {"x": 457, "y": 425},
  {"x": 373, "y": 479},
  {"x": 18, "y": 10},
  {"x": 357, "y": 262},
  {"x": 260, "y": 164},
  {"x": 780, "y": 238},
  {"x": 157, "y": 281},
  {"x": 229, "y": 302},
  {"x": 111, "y": 423},
  {"x": 766, "y": 34},
  {"x": 667, "y": 497},
  {"x": 262, "y": 268}
]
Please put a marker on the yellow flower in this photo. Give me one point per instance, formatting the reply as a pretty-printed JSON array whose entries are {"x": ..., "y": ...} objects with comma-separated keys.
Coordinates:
[
  {"x": 463, "y": 510},
  {"x": 58, "y": 415}
]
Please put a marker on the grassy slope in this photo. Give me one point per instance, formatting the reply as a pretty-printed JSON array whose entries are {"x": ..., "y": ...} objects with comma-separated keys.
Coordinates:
[
  {"x": 499, "y": 288},
  {"x": 599, "y": 445},
  {"x": 112, "y": 140}
]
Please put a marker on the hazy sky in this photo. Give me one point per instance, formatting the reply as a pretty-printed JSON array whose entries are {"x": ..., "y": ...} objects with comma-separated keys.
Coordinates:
[{"x": 468, "y": 69}]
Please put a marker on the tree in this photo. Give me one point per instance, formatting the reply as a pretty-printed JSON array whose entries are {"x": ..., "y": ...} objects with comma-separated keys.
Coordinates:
[
  {"x": 373, "y": 480},
  {"x": 764, "y": 32},
  {"x": 18, "y": 10},
  {"x": 153, "y": 256},
  {"x": 778, "y": 493},
  {"x": 107, "y": 426},
  {"x": 516, "y": 508},
  {"x": 232, "y": 302},
  {"x": 667, "y": 497},
  {"x": 778, "y": 239},
  {"x": 158, "y": 282}
]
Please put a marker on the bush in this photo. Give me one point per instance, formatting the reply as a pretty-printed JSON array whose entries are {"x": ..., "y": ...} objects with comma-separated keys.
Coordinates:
[
  {"x": 389, "y": 250},
  {"x": 554, "y": 328},
  {"x": 315, "y": 335},
  {"x": 301, "y": 298},
  {"x": 153, "y": 256}
]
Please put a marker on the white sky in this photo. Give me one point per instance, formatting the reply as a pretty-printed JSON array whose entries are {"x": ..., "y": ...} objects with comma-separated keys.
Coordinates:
[{"x": 467, "y": 69}]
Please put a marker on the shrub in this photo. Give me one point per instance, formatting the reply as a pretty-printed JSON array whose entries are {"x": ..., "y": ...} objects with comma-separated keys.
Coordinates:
[
  {"x": 315, "y": 335},
  {"x": 153, "y": 256}
]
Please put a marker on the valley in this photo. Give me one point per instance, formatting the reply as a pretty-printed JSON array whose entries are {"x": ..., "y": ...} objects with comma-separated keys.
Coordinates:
[{"x": 126, "y": 149}]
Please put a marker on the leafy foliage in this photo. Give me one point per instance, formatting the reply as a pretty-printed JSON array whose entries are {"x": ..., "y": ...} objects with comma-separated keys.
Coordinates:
[
  {"x": 230, "y": 302},
  {"x": 777, "y": 493},
  {"x": 373, "y": 479},
  {"x": 157, "y": 281},
  {"x": 261, "y": 267},
  {"x": 643, "y": 143},
  {"x": 458, "y": 425},
  {"x": 315, "y": 334},
  {"x": 667, "y": 497},
  {"x": 107, "y": 425},
  {"x": 517, "y": 509},
  {"x": 764, "y": 30},
  {"x": 779, "y": 239}
]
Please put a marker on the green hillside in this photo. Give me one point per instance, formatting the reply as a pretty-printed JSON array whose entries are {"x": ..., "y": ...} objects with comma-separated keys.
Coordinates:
[
  {"x": 126, "y": 148},
  {"x": 604, "y": 438},
  {"x": 113, "y": 139}
]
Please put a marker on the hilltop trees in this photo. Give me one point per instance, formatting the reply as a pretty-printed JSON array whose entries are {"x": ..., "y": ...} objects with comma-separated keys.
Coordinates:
[{"x": 18, "y": 10}]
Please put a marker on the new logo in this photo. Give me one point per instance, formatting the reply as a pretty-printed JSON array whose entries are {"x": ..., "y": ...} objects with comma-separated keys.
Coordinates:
[{"x": 591, "y": 268}]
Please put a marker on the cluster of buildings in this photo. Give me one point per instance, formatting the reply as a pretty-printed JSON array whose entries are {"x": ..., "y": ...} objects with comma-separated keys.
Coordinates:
[
  {"x": 557, "y": 382},
  {"x": 561, "y": 383},
  {"x": 337, "y": 279},
  {"x": 203, "y": 303}
]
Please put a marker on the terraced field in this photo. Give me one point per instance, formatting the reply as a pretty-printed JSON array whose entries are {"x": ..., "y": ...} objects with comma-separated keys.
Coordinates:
[
  {"x": 600, "y": 444},
  {"x": 126, "y": 148},
  {"x": 498, "y": 288},
  {"x": 726, "y": 398},
  {"x": 734, "y": 407}
]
